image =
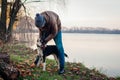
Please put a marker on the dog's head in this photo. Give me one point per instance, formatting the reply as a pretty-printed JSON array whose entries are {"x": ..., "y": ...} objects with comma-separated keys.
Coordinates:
[{"x": 38, "y": 43}]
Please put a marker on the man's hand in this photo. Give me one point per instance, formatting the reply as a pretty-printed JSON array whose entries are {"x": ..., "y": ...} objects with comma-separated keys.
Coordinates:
[
  {"x": 42, "y": 47},
  {"x": 43, "y": 42}
]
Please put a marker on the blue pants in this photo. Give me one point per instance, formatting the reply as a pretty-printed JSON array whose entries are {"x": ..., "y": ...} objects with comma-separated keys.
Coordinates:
[{"x": 58, "y": 42}]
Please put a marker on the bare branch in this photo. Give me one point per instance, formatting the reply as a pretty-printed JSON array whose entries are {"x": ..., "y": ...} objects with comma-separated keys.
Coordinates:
[{"x": 33, "y": 1}]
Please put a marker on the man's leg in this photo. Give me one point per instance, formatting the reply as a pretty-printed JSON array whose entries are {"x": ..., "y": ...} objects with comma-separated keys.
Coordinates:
[{"x": 58, "y": 42}]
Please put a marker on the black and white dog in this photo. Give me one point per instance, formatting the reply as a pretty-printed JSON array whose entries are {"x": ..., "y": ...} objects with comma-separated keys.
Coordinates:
[{"x": 42, "y": 54}]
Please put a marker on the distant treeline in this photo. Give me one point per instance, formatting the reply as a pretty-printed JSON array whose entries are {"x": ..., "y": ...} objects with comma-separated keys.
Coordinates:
[
  {"x": 90, "y": 30},
  {"x": 98, "y": 30},
  {"x": 28, "y": 26}
]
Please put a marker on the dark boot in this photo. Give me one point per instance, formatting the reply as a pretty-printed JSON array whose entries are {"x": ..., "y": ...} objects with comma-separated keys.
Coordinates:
[{"x": 61, "y": 71}]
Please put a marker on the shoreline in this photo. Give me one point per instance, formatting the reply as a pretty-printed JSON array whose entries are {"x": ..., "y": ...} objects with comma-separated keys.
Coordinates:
[{"x": 19, "y": 55}]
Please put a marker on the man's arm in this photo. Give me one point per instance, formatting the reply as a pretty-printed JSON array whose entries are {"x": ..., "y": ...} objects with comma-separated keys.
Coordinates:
[
  {"x": 39, "y": 33},
  {"x": 53, "y": 33}
]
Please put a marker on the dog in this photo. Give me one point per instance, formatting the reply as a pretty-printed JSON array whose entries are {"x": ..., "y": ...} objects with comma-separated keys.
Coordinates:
[{"x": 42, "y": 54}]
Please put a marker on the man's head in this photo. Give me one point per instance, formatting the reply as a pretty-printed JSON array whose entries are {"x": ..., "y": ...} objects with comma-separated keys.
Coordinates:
[{"x": 39, "y": 20}]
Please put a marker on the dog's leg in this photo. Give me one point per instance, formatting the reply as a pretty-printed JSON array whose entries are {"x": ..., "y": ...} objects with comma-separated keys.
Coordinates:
[
  {"x": 44, "y": 63},
  {"x": 44, "y": 66},
  {"x": 39, "y": 50},
  {"x": 38, "y": 62},
  {"x": 38, "y": 57}
]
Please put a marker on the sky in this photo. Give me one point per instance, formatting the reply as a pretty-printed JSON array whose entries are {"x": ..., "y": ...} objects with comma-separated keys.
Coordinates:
[
  {"x": 95, "y": 13},
  {"x": 83, "y": 13}
]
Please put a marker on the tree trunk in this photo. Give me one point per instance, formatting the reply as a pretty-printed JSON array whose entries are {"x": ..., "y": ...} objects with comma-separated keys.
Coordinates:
[
  {"x": 2, "y": 32},
  {"x": 13, "y": 14},
  {"x": 5, "y": 57},
  {"x": 3, "y": 15},
  {"x": 7, "y": 71},
  {"x": 3, "y": 20}
]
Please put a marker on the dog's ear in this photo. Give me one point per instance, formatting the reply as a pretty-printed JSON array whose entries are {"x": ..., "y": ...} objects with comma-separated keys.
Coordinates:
[
  {"x": 37, "y": 40},
  {"x": 35, "y": 51}
]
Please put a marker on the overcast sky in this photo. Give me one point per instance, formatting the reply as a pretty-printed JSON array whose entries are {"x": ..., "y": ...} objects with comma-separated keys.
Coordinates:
[
  {"x": 104, "y": 13},
  {"x": 85, "y": 13}
]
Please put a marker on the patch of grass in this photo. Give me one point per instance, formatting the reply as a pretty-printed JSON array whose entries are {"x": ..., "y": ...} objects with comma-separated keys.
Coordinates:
[
  {"x": 22, "y": 57},
  {"x": 48, "y": 76},
  {"x": 118, "y": 78},
  {"x": 16, "y": 58},
  {"x": 18, "y": 49}
]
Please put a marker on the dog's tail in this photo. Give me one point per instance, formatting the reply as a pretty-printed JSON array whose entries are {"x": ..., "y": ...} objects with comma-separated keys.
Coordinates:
[{"x": 66, "y": 55}]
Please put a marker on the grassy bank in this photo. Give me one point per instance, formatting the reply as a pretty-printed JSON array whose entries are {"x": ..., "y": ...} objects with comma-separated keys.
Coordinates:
[{"x": 22, "y": 57}]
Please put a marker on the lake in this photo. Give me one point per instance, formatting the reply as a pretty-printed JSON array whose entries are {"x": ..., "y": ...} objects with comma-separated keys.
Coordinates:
[{"x": 100, "y": 51}]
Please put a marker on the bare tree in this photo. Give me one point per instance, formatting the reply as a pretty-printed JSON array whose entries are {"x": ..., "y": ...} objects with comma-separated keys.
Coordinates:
[
  {"x": 9, "y": 10},
  {"x": 14, "y": 7},
  {"x": 3, "y": 19}
]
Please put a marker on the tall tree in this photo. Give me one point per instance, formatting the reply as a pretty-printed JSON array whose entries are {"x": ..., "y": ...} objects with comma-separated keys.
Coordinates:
[
  {"x": 9, "y": 10},
  {"x": 3, "y": 19},
  {"x": 13, "y": 14},
  {"x": 14, "y": 7}
]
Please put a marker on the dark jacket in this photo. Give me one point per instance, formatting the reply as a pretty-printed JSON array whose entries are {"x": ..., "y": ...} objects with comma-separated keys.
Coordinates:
[{"x": 52, "y": 25}]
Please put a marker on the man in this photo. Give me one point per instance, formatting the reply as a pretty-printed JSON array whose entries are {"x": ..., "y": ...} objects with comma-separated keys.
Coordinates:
[{"x": 49, "y": 26}]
